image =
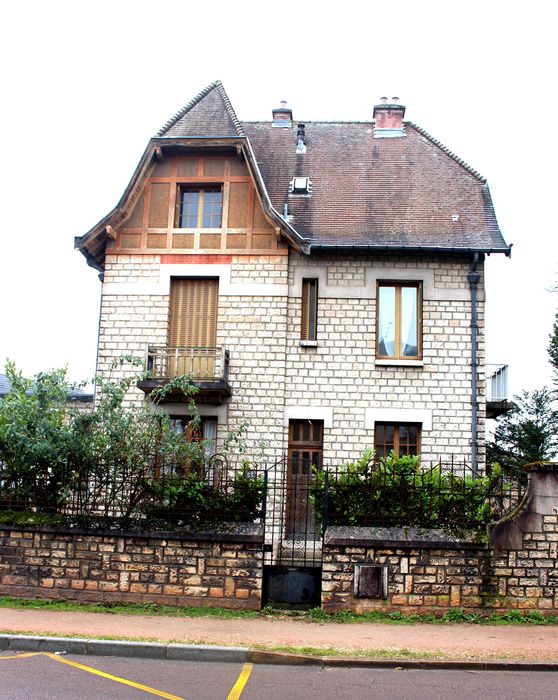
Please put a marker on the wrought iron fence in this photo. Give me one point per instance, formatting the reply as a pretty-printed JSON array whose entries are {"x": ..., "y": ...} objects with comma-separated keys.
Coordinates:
[
  {"x": 392, "y": 493},
  {"x": 160, "y": 496},
  {"x": 296, "y": 504}
]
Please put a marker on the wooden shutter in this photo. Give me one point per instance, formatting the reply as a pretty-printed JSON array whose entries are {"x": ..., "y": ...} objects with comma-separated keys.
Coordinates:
[
  {"x": 193, "y": 324},
  {"x": 309, "y": 310}
]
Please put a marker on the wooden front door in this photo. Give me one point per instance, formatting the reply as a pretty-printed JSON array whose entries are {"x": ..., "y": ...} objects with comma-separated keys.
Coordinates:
[
  {"x": 193, "y": 327},
  {"x": 305, "y": 452}
]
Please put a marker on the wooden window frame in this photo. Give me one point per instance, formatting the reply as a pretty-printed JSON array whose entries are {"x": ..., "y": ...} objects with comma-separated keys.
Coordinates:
[
  {"x": 200, "y": 190},
  {"x": 399, "y": 285},
  {"x": 309, "y": 309},
  {"x": 396, "y": 436},
  {"x": 193, "y": 435}
]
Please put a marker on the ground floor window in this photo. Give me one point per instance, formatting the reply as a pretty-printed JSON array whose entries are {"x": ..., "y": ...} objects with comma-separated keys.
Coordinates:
[
  {"x": 401, "y": 438},
  {"x": 205, "y": 432}
]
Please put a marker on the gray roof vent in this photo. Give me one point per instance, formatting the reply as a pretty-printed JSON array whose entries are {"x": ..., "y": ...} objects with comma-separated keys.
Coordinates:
[{"x": 300, "y": 185}]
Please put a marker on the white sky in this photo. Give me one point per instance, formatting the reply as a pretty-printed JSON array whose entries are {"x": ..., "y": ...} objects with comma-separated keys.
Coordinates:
[{"x": 85, "y": 85}]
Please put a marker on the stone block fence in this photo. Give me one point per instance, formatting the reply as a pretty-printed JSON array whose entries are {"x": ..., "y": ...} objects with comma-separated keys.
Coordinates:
[
  {"x": 363, "y": 568},
  {"x": 214, "y": 569}
]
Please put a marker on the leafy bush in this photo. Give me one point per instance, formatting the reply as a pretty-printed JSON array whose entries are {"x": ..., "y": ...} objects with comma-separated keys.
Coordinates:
[
  {"x": 396, "y": 491},
  {"x": 120, "y": 463}
]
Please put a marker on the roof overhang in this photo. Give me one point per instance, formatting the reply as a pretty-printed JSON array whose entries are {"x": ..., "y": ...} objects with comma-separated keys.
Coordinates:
[{"x": 370, "y": 248}]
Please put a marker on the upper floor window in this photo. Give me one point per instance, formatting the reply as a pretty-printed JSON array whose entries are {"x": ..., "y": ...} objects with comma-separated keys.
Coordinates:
[
  {"x": 399, "y": 320},
  {"x": 309, "y": 311},
  {"x": 199, "y": 207}
]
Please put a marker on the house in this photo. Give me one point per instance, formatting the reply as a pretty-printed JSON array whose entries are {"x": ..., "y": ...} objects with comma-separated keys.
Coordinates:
[{"x": 322, "y": 281}]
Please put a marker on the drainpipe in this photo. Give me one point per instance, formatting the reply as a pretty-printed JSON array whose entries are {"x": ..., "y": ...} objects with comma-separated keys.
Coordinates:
[{"x": 473, "y": 278}]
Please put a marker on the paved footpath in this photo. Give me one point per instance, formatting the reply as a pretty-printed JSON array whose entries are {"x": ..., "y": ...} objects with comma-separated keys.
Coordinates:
[{"x": 528, "y": 643}]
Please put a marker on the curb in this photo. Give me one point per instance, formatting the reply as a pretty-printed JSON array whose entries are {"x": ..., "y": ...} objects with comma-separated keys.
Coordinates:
[{"x": 201, "y": 652}]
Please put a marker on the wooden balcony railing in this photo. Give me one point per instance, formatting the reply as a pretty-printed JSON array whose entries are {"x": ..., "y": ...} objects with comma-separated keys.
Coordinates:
[
  {"x": 202, "y": 363},
  {"x": 208, "y": 367}
]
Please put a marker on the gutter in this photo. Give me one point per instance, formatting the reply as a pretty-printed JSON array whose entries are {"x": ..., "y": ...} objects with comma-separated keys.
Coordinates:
[{"x": 363, "y": 248}]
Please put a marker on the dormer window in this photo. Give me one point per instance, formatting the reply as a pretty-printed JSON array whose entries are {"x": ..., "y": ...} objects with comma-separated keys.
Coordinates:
[
  {"x": 300, "y": 185},
  {"x": 199, "y": 207}
]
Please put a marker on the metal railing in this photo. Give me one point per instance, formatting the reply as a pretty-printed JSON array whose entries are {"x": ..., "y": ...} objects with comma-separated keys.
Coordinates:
[
  {"x": 296, "y": 506},
  {"x": 444, "y": 495},
  {"x": 154, "y": 496},
  {"x": 496, "y": 382},
  {"x": 202, "y": 363}
]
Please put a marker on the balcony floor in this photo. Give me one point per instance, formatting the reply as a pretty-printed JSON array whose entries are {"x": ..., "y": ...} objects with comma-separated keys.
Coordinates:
[{"x": 209, "y": 392}]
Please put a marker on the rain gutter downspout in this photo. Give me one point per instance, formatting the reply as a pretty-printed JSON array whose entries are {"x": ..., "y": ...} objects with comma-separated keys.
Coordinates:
[{"x": 473, "y": 278}]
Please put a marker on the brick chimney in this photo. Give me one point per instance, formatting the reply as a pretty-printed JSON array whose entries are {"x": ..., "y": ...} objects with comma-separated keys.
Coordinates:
[
  {"x": 388, "y": 116},
  {"x": 282, "y": 115}
]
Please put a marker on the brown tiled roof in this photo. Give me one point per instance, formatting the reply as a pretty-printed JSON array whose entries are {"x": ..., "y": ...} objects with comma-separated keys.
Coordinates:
[
  {"x": 210, "y": 115},
  {"x": 405, "y": 191}
]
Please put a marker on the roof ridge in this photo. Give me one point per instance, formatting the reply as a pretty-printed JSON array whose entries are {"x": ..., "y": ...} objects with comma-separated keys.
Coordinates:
[
  {"x": 230, "y": 109},
  {"x": 446, "y": 150},
  {"x": 198, "y": 98}
]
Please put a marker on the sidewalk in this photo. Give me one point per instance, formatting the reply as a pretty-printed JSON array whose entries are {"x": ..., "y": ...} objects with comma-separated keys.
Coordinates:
[{"x": 457, "y": 642}]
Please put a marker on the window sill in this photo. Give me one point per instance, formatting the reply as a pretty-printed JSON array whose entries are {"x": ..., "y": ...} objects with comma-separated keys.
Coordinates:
[
  {"x": 399, "y": 363},
  {"x": 308, "y": 343}
]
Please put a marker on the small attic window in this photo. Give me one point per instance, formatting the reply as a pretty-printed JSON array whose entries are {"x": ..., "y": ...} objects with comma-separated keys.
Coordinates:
[{"x": 300, "y": 185}]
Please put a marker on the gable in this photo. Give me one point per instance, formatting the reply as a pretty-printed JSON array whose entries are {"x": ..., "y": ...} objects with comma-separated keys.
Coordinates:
[{"x": 153, "y": 224}]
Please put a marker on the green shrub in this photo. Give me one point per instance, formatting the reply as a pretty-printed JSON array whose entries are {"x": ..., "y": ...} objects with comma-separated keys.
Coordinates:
[{"x": 396, "y": 491}]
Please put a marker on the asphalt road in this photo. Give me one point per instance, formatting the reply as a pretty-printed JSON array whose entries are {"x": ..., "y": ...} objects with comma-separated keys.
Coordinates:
[{"x": 45, "y": 677}]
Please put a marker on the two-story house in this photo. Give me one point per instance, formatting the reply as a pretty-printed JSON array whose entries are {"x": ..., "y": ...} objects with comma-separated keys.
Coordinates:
[{"x": 321, "y": 281}]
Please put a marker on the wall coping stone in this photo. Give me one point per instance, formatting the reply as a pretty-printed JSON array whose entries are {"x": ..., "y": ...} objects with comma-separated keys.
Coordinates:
[
  {"x": 541, "y": 467},
  {"x": 235, "y": 532},
  {"x": 353, "y": 536}
]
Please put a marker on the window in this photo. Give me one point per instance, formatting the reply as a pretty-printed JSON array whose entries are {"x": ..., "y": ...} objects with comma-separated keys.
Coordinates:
[
  {"x": 205, "y": 432},
  {"x": 199, "y": 207},
  {"x": 401, "y": 438},
  {"x": 306, "y": 440},
  {"x": 399, "y": 320},
  {"x": 309, "y": 315},
  {"x": 192, "y": 333}
]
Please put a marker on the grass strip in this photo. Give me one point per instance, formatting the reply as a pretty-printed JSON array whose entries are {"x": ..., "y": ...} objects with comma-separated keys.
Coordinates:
[{"x": 315, "y": 615}]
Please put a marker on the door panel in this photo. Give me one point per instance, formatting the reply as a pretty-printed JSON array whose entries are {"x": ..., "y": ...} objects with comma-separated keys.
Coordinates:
[{"x": 305, "y": 452}]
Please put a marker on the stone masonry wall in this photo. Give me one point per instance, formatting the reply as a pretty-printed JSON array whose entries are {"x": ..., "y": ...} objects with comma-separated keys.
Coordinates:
[
  {"x": 420, "y": 575},
  {"x": 163, "y": 569},
  {"x": 518, "y": 568},
  {"x": 271, "y": 373},
  {"x": 341, "y": 372}
]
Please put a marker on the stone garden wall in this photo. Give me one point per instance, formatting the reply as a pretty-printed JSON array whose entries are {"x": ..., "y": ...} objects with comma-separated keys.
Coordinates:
[
  {"x": 206, "y": 569},
  {"x": 516, "y": 568}
]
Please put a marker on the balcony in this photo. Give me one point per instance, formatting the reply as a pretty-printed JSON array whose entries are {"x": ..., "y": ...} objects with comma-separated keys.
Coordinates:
[
  {"x": 497, "y": 402},
  {"x": 208, "y": 367}
]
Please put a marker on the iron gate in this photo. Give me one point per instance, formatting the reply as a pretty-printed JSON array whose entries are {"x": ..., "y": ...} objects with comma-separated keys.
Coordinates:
[{"x": 295, "y": 511}]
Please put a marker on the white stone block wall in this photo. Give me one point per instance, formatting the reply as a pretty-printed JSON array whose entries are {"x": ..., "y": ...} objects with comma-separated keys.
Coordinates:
[
  {"x": 341, "y": 373},
  {"x": 271, "y": 375}
]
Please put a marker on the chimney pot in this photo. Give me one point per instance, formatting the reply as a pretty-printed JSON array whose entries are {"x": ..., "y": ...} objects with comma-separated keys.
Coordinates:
[{"x": 395, "y": 100}]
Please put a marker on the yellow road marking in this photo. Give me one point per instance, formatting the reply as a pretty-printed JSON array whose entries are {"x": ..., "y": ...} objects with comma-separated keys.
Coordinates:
[
  {"x": 23, "y": 656},
  {"x": 241, "y": 681},
  {"x": 110, "y": 677}
]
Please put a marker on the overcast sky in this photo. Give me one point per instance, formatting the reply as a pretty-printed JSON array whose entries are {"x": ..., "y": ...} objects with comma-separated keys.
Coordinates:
[{"x": 85, "y": 85}]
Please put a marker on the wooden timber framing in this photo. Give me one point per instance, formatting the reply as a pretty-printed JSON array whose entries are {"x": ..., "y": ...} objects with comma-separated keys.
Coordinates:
[{"x": 241, "y": 205}]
